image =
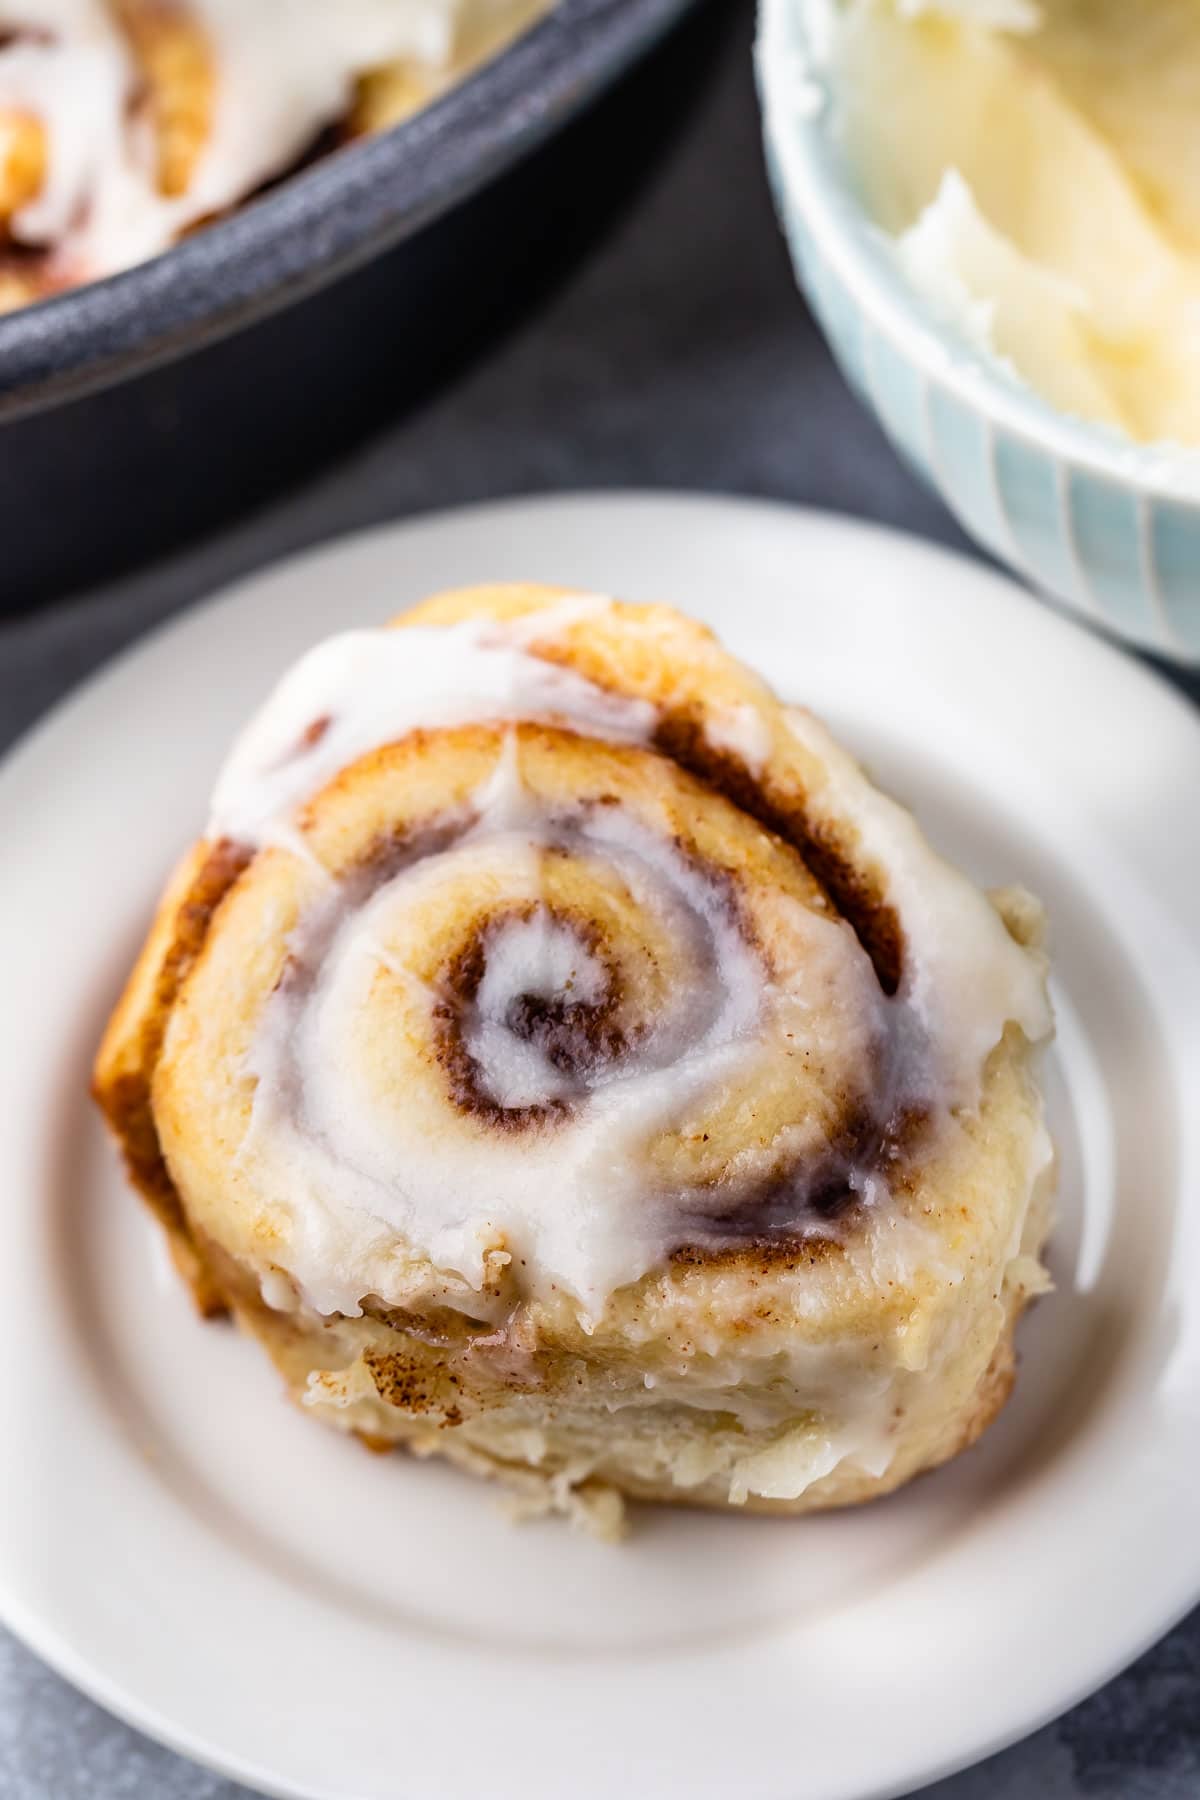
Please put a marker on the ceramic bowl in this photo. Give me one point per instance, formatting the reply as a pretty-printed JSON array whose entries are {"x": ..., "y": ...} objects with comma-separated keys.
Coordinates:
[{"x": 1105, "y": 527}]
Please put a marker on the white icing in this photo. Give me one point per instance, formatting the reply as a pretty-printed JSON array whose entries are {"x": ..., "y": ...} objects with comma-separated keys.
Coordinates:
[
  {"x": 373, "y": 687},
  {"x": 743, "y": 732},
  {"x": 981, "y": 282},
  {"x": 284, "y": 69},
  {"x": 367, "y": 688},
  {"x": 541, "y": 958}
]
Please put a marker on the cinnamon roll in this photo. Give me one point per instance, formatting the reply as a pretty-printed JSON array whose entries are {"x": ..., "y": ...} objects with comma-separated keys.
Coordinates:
[
  {"x": 126, "y": 123},
  {"x": 564, "y": 1060}
]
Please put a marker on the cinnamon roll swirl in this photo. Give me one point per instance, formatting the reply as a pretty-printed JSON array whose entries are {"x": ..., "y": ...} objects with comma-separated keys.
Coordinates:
[{"x": 564, "y": 1060}]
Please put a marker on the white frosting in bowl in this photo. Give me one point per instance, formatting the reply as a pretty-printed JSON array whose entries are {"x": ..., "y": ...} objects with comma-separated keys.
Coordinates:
[{"x": 1034, "y": 164}]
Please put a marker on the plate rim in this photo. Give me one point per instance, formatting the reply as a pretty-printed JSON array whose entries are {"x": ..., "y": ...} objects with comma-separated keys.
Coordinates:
[{"x": 1070, "y": 628}]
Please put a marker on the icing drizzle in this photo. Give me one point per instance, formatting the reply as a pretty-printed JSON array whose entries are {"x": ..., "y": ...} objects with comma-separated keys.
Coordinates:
[{"x": 505, "y": 1103}]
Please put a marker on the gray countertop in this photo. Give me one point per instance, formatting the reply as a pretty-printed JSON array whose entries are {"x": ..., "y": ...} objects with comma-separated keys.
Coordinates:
[{"x": 676, "y": 354}]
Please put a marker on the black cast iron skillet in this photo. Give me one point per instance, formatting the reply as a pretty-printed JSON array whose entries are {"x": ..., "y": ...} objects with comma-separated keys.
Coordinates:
[{"x": 138, "y": 410}]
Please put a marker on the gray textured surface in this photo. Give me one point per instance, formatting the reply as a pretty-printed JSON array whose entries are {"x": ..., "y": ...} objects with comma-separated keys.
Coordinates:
[{"x": 676, "y": 355}]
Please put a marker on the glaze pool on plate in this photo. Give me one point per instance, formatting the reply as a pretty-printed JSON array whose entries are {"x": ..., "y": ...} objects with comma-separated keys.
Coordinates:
[{"x": 199, "y": 1558}]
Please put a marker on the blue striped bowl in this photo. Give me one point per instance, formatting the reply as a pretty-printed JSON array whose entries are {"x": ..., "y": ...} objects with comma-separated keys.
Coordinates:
[{"x": 1108, "y": 528}]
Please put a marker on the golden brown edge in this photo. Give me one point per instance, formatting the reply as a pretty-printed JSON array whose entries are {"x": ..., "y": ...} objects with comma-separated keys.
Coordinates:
[{"x": 123, "y": 1071}]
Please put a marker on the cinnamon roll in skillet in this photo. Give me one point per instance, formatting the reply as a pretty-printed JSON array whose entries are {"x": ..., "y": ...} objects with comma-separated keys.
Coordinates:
[
  {"x": 564, "y": 1060},
  {"x": 126, "y": 123}
]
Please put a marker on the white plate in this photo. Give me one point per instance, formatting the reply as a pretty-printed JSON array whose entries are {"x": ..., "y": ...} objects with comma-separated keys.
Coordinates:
[{"x": 321, "y": 1623}]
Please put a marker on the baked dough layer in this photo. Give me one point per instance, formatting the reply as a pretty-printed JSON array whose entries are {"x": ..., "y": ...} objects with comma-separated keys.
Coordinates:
[{"x": 737, "y": 1205}]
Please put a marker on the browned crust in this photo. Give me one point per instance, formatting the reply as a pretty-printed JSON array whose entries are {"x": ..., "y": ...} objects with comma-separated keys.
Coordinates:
[
  {"x": 123, "y": 1075},
  {"x": 23, "y": 161},
  {"x": 24, "y": 272},
  {"x": 760, "y": 1255},
  {"x": 24, "y": 277},
  {"x": 175, "y": 57}
]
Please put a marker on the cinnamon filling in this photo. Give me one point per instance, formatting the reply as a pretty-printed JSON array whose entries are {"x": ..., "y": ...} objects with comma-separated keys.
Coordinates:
[
  {"x": 854, "y": 896},
  {"x": 574, "y": 1036}
]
